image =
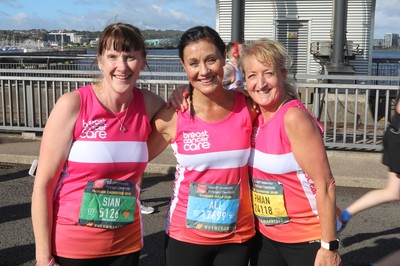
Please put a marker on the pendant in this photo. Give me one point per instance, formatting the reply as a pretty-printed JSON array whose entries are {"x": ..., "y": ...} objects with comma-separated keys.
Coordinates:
[{"x": 122, "y": 128}]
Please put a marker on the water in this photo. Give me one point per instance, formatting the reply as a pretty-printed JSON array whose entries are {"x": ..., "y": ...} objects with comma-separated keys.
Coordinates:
[
  {"x": 386, "y": 68},
  {"x": 174, "y": 52},
  {"x": 391, "y": 54},
  {"x": 387, "y": 54},
  {"x": 157, "y": 52},
  {"x": 155, "y": 63},
  {"x": 159, "y": 60},
  {"x": 150, "y": 52}
]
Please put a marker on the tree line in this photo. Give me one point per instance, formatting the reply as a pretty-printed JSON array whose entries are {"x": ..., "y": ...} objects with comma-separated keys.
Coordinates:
[{"x": 19, "y": 36}]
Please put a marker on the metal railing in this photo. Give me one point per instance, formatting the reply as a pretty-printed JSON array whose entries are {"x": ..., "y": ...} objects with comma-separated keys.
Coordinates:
[
  {"x": 354, "y": 114},
  {"x": 82, "y": 66},
  {"x": 155, "y": 63},
  {"x": 26, "y": 101},
  {"x": 353, "y": 110}
]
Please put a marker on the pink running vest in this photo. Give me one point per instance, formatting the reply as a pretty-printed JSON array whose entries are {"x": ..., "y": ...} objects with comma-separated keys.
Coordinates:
[
  {"x": 100, "y": 150},
  {"x": 272, "y": 164},
  {"x": 212, "y": 160}
]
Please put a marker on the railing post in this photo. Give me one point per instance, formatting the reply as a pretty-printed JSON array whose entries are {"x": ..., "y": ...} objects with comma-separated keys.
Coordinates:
[{"x": 30, "y": 115}]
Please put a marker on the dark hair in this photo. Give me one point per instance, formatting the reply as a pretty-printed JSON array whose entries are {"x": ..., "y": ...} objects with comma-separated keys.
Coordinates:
[
  {"x": 122, "y": 37},
  {"x": 200, "y": 33},
  {"x": 196, "y": 34}
]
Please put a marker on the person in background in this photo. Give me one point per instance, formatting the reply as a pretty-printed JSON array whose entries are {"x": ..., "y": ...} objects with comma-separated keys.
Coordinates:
[
  {"x": 85, "y": 200},
  {"x": 209, "y": 221},
  {"x": 143, "y": 208},
  {"x": 293, "y": 190},
  {"x": 146, "y": 209},
  {"x": 391, "y": 158},
  {"x": 233, "y": 78}
]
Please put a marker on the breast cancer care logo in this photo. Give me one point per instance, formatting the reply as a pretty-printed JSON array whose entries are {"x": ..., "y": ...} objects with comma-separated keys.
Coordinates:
[
  {"x": 94, "y": 129},
  {"x": 194, "y": 141}
]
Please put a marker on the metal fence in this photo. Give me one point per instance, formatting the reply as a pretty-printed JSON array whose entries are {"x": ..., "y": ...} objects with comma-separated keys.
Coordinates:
[
  {"x": 26, "y": 101},
  {"x": 169, "y": 66},
  {"x": 354, "y": 111},
  {"x": 155, "y": 63}
]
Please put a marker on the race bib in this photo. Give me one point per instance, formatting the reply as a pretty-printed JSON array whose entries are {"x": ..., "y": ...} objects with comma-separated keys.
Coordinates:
[
  {"x": 108, "y": 203},
  {"x": 269, "y": 202},
  {"x": 213, "y": 207}
]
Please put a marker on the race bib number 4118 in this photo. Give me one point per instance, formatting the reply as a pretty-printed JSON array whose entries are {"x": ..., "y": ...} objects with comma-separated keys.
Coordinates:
[{"x": 269, "y": 202}]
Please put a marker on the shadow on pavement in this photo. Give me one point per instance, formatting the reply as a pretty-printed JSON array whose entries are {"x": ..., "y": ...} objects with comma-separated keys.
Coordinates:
[
  {"x": 26, "y": 253},
  {"x": 13, "y": 175},
  {"x": 348, "y": 241},
  {"x": 15, "y": 212},
  {"x": 367, "y": 255},
  {"x": 153, "y": 252}
]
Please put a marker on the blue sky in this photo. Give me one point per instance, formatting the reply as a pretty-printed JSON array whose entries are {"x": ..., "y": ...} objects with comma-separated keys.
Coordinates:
[
  {"x": 146, "y": 14},
  {"x": 95, "y": 14}
]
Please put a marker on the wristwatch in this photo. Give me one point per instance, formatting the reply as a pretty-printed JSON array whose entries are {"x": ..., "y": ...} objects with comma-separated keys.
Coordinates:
[{"x": 331, "y": 245}]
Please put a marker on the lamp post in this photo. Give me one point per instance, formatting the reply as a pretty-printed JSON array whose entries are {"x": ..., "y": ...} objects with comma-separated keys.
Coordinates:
[{"x": 237, "y": 31}]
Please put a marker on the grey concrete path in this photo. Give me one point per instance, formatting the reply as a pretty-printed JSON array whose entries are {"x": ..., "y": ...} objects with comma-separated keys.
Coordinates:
[
  {"x": 369, "y": 236},
  {"x": 350, "y": 169}
]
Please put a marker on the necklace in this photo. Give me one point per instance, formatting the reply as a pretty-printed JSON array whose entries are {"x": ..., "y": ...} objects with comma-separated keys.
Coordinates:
[
  {"x": 121, "y": 123},
  {"x": 285, "y": 101},
  {"x": 122, "y": 128}
]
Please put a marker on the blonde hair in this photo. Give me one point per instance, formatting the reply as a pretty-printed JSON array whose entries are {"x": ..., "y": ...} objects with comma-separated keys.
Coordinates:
[{"x": 269, "y": 52}]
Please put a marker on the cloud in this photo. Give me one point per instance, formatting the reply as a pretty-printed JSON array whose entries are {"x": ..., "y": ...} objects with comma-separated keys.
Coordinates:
[
  {"x": 150, "y": 14},
  {"x": 163, "y": 15},
  {"x": 387, "y": 17},
  {"x": 19, "y": 17},
  {"x": 146, "y": 14}
]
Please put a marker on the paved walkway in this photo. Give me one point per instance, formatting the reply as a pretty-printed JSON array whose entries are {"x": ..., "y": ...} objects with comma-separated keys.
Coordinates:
[{"x": 350, "y": 169}]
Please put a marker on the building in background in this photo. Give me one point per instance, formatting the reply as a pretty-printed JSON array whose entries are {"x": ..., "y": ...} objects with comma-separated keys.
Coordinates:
[
  {"x": 391, "y": 40},
  {"x": 304, "y": 27},
  {"x": 162, "y": 43},
  {"x": 378, "y": 43},
  {"x": 59, "y": 38}
]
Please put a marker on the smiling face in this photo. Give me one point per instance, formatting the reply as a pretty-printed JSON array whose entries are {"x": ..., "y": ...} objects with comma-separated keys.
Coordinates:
[
  {"x": 121, "y": 69},
  {"x": 265, "y": 84},
  {"x": 203, "y": 63},
  {"x": 121, "y": 56}
]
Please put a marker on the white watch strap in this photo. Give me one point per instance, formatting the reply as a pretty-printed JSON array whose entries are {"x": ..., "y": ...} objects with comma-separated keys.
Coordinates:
[{"x": 325, "y": 245}]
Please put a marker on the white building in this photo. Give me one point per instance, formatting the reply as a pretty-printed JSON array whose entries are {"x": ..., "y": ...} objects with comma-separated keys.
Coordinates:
[
  {"x": 305, "y": 25},
  {"x": 391, "y": 40},
  {"x": 65, "y": 36}
]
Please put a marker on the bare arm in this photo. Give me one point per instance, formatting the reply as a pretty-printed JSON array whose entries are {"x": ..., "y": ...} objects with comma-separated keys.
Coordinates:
[
  {"x": 152, "y": 102},
  {"x": 55, "y": 145},
  {"x": 309, "y": 151},
  {"x": 164, "y": 128}
]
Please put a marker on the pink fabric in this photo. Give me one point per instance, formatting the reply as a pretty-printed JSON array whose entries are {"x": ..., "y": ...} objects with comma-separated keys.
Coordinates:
[
  {"x": 100, "y": 150},
  {"x": 214, "y": 153},
  {"x": 272, "y": 159}
]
